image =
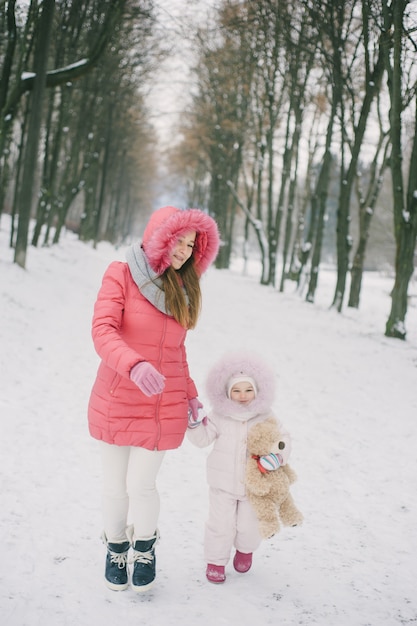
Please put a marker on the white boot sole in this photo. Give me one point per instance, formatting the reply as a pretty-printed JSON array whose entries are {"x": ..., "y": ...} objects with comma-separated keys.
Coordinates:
[
  {"x": 114, "y": 587},
  {"x": 141, "y": 588}
]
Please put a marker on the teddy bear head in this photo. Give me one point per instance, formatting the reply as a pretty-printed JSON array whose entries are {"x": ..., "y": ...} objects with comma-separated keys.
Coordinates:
[{"x": 264, "y": 438}]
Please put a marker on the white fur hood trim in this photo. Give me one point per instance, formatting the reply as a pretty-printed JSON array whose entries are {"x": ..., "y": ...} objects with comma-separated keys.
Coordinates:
[{"x": 235, "y": 364}]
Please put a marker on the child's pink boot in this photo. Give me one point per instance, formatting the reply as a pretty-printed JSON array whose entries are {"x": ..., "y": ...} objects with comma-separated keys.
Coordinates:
[
  {"x": 215, "y": 573},
  {"x": 242, "y": 562}
]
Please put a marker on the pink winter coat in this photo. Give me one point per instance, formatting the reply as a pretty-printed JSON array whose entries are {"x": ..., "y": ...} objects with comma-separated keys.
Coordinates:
[
  {"x": 128, "y": 328},
  {"x": 228, "y": 422}
]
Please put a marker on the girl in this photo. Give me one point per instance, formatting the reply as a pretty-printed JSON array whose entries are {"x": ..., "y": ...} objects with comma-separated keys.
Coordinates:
[
  {"x": 140, "y": 400},
  {"x": 240, "y": 388}
]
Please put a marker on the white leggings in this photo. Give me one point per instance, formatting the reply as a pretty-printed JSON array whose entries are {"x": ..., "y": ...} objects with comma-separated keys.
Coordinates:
[{"x": 129, "y": 489}]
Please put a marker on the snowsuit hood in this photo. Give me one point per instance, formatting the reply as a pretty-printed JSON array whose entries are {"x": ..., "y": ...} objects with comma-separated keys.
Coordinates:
[
  {"x": 234, "y": 365},
  {"x": 164, "y": 228}
]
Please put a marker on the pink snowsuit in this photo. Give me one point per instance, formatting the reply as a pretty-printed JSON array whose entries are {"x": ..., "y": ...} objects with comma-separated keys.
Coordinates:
[{"x": 232, "y": 521}]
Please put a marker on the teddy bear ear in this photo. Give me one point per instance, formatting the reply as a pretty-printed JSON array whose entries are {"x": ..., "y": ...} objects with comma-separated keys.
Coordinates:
[{"x": 281, "y": 445}]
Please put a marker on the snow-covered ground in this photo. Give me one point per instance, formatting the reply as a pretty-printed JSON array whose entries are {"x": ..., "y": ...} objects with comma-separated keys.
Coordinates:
[{"x": 347, "y": 394}]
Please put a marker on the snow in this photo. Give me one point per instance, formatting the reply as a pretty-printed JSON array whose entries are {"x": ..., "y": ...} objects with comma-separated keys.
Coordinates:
[
  {"x": 69, "y": 67},
  {"x": 346, "y": 393}
]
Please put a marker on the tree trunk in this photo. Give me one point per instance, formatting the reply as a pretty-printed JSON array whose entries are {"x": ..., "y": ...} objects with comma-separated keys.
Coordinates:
[
  {"x": 343, "y": 239},
  {"x": 405, "y": 212},
  {"x": 366, "y": 211},
  {"x": 321, "y": 200},
  {"x": 291, "y": 193},
  {"x": 259, "y": 231},
  {"x": 33, "y": 132},
  {"x": 275, "y": 231},
  {"x": 406, "y": 244}
]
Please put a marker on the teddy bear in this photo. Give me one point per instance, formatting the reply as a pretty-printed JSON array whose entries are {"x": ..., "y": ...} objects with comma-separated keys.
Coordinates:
[{"x": 268, "y": 482}]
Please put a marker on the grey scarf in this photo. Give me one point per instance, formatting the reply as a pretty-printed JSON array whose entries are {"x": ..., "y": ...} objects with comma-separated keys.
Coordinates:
[{"x": 148, "y": 282}]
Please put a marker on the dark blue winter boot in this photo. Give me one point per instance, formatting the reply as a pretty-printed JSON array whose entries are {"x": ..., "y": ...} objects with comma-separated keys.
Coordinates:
[
  {"x": 116, "y": 574},
  {"x": 144, "y": 563}
]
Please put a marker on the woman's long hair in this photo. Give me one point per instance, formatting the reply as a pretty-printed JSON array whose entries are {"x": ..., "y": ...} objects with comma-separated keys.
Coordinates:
[{"x": 175, "y": 281}]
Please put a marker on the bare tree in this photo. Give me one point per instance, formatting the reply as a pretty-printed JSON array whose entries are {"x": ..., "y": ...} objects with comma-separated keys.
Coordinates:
[
  {"x": 219, "y": 113},
  {"x": 367, "y": 199},
  {"x": 85, "y": 129},
  {"x": 34, "y": 52},
  {"x": 339, "y": 90},
  {"x": 33, "y": 131},
  {"x": 300, "y": 44},
  {"x": 404, "y": 195}
]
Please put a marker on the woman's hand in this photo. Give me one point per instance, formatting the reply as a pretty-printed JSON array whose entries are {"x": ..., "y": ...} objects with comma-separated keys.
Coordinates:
[{"x": 147, "y": 378}]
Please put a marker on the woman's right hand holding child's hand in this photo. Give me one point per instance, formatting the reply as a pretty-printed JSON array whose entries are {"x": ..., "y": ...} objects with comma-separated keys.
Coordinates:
[{"x": 147, "y": 378}]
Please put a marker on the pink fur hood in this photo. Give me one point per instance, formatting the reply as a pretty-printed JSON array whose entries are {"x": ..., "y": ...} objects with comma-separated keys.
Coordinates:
[
  {"x": 164, "y": 228},
  {"x": 236, "y": 364}
]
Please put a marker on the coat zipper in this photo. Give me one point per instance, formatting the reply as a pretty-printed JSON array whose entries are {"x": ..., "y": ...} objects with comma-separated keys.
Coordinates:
[{"x": 157, "y": 420}]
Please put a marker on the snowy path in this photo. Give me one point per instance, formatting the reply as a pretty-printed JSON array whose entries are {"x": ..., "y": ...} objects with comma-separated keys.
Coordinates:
[{"x": 346, "y": 393}]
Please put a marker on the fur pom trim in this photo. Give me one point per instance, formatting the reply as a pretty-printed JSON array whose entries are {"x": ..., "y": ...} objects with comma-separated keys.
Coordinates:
[
  {"x": 235, "y": 364},
  {"x": 164, "y": 228}
]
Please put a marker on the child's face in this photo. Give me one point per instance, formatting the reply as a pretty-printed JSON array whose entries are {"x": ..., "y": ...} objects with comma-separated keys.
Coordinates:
[{"x": 242, "y": 392}]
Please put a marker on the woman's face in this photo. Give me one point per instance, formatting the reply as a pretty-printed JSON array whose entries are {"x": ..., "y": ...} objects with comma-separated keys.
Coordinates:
[{"x": 183, "y": 250}]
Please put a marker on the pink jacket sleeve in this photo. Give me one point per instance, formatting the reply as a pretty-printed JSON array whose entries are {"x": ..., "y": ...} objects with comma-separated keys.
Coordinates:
[{"x": 107, "y": 322}]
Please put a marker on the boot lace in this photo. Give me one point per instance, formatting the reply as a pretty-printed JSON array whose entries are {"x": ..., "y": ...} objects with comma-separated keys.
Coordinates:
[
  {"x": 119, "y": 559},
  {"x": 142, "y": 557}
]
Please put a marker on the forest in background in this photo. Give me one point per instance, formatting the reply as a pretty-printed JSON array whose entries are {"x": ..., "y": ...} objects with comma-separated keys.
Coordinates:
[{"x": 298, "y": 133}]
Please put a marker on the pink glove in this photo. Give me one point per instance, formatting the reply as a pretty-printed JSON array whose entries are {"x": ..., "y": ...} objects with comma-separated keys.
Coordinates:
[
  {"x": 196, "y": 413},
  {"x": 147, "y": 378}
]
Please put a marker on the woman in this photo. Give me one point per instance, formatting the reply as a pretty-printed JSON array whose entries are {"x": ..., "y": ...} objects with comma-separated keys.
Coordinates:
[{"x": 143, "y": 391}]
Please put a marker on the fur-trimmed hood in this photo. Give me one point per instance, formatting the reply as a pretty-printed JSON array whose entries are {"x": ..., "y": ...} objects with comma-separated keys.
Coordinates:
[
  {"x": 164, "y": 228},
  {"x": 236, "y": 364}
]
